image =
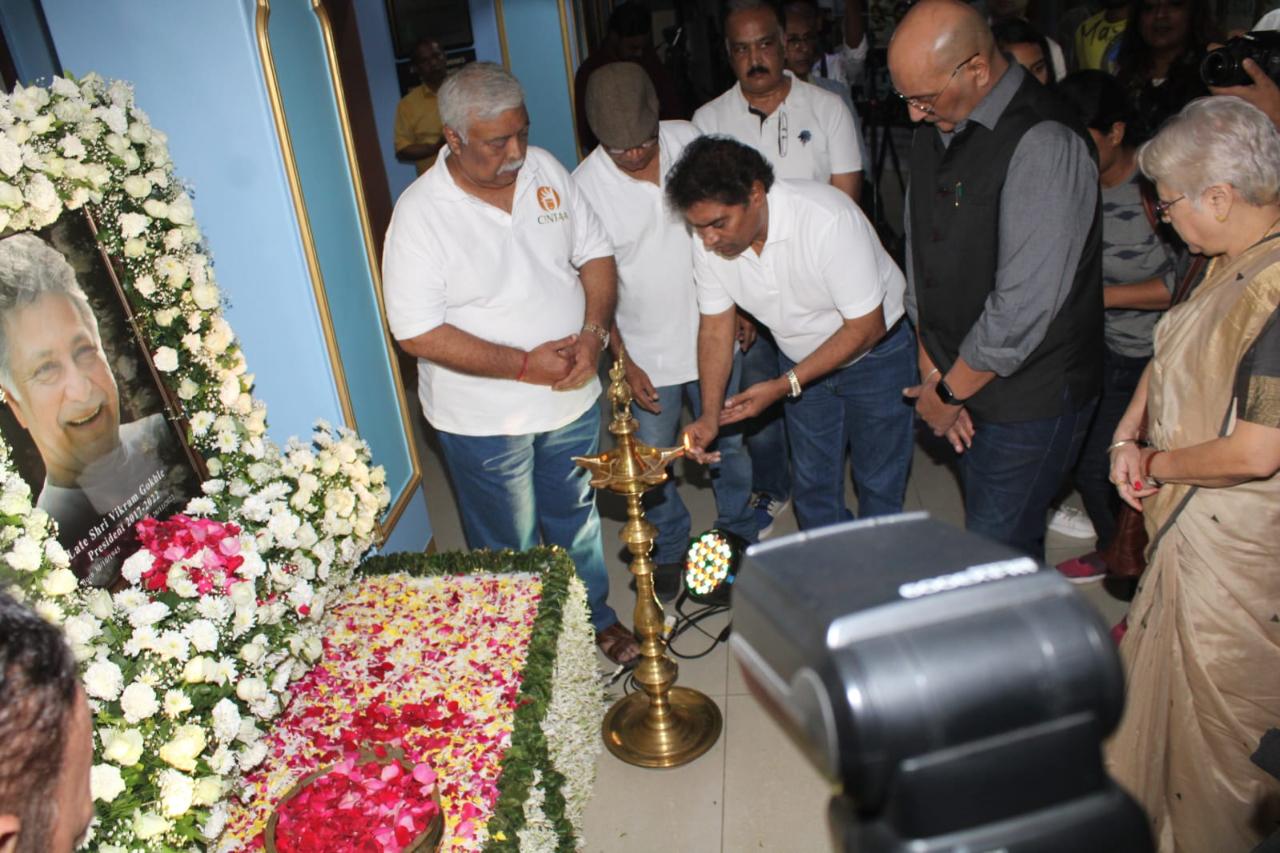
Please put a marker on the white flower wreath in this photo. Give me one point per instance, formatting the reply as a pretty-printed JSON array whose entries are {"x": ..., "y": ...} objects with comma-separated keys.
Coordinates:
[{"x": 180, "y": 683}]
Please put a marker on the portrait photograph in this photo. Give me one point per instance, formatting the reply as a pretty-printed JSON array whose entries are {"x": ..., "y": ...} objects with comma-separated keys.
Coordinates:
[{"x": 85, "y": 413}]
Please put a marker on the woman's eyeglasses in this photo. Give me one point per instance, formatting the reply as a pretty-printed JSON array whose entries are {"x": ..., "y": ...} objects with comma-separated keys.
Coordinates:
[{"x": 1162, "y": 207}]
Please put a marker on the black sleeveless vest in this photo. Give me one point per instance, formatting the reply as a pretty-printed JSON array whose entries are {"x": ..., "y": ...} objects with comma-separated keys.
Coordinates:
[{"x": 955, "y": 227}]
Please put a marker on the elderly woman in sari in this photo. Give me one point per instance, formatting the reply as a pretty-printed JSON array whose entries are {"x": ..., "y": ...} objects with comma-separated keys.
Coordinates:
[{"x": 1203, "y": 648}]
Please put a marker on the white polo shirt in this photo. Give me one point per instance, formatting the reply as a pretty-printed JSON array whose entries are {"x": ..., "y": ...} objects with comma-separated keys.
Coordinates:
[
  {"x": 507, "y": 278},
  {"x": 822, "y": 263},
  {"x": 810, "y": 136},
  {"x": 657, "y": 306}
]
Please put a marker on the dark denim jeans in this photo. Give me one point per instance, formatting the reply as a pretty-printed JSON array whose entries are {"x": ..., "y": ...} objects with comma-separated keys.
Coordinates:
[
  {"x": 517, "y": 490},
  {"x": 766, "y": 434},
  {"x": 1013, "y": 472},
  {"x": 1120, "y": 375},
  {"x": 730, "y": 477},
  {"x": 861, "y": 408}
]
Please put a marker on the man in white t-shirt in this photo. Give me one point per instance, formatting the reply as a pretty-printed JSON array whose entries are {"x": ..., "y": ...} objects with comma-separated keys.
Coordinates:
[
  {"x": 657, "y": 317},
  {"x": 804, "y": 132},
  {"x": 500, "y": 279},
  {"x": 803, "y": 259}
]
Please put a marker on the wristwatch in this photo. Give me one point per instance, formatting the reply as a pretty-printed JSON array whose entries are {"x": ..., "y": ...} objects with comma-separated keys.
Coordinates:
[
  {"x": 598, "y": 332},
  {"x": 947, "y": 395}
]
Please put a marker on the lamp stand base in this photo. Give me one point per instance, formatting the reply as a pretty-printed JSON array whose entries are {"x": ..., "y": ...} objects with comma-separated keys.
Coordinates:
[{"x": 693, "y": 727}]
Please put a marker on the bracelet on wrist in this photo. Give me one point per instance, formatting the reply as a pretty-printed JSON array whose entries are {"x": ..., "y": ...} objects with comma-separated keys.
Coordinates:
[
  {"x": 524, "y": 368},
  {"x": 1122, "y": 442},
  {"x": 793, "y": 383},
  {"x": 1147, "y": 476},
  {"x": 930, "y": 375}
]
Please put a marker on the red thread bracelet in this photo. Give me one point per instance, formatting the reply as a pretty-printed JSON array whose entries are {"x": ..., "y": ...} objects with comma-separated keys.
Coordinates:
[{"x": 524, "y": 366}]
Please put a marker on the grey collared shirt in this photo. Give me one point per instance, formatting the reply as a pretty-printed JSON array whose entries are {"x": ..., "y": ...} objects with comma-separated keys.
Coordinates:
[{"x": 1046, "y": 208}]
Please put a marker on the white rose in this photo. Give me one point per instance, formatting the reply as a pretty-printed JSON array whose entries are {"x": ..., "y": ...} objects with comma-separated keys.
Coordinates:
[
  {"x": 138, "y": 562},
  {"x": 56, "y": 554},
  {"x": 181, "y": 211},
  {"x": 177, "y": 791},
  {"x": 184, "y": 748},
  {"x": 82, "y": 629},
  {"x": 10, "y": 196},
  {"x": 71, "y": 147},
  {"x": 122, "y": 747},
  {"x": 116, "y": 143},
  {"x": 166, "y": 359},
  {"x": 197, "y": 670},
  {"x": 165, "y": 316},
  {"x": 205, "y": 295},
  {"x": 156, "y": 209},
  {"x": 176, "y": 703},
  {"x": 99, "y": 603},
  {"x": 208, "y": 790},
  {"x": 251, "y": 653},
  {"x": 131, "y": 160},
  {"x": 171, "y": 269},
  {"x": 313, "y": 649},
  {"x": 105, "y": 782},
  {"x": 251, "y": 689},
  {"x": 203, "y": 635},
  {"x": 134, "y": 247},
  {"x": 226, "y": 720},
  {"x": 138, "y": 702},
  {"x": 60, "y": 582},
  {"x": 138, "y": 131},
  {"x": 10, "y": 155},
  {"x": 131, "y": 224},
  {"x": 229, "y": 390},
  {"x": 103, "y": 680},
  {"x": 79, "y": 197},
  {"x": 147, "y": 825},
  {"x": 219, "y": 336},
  {"x": 243, "y": 594}
]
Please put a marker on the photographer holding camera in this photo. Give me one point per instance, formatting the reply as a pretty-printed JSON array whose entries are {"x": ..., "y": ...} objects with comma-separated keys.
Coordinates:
[{"x": 1224, "y": 64}]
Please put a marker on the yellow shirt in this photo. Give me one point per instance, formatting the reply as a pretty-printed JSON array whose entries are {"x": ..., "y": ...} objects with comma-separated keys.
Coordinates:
[
  {"x": 418, "y": 122},
  {"x": 1097, "y": 41}
]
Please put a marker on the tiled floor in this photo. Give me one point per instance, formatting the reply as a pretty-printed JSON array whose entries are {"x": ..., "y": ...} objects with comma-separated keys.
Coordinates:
[{"x": 753, "y": 791}]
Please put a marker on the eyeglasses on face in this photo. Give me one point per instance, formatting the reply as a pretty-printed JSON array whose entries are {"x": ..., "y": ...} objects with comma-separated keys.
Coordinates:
[
  {"x": 924, "y": 103},
  {"x": 643, "y": 146},
  {"x": 1162, "y": 207}
]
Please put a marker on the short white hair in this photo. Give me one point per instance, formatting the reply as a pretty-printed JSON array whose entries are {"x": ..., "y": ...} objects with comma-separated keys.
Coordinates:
[
  {"x": 29, "y": 269},
  {"x": 479, "y": 91},
  {"x": 1218, "y": 140}
]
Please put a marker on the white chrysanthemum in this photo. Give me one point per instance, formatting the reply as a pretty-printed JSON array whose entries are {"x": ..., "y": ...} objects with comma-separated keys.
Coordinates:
[
  {"x": 25, "y": 555},
  {"x": 56, "y": 554},
  {"x": 50, "y": 612},
  {"x": 215, "y": 608},
  {"x": 138, "y": 702},
  {"x": 105, "y": 782},
  {"x": 103, "y": 680},
  {"x": 223, "y": 761},
  {"x": 176, "y": 703},
  {"x": 136, "y": 564},
  {"x": 226, "y": 720},
  {"x": 148, "y": 614},
  {"x": 252, "y": 756},
  {"x": 171, "y": 645},
  {"x": 82, "y": 629},
  {"x": 217, "y": 821},
  {"x": 203, "y": 635},
  {"x": 177, "y": 792}
]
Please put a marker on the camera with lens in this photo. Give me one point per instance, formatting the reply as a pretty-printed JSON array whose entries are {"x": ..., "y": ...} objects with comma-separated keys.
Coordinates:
[{"x": 1225, "y": 66}]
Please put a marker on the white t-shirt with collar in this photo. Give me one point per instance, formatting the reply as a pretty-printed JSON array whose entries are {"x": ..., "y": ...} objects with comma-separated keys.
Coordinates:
[
  {"x": 810, "y": 136},
  {"x": 506, "y": 278},
  {"x": 657, "y": 307},
  {"x": 821, "y": 264}
]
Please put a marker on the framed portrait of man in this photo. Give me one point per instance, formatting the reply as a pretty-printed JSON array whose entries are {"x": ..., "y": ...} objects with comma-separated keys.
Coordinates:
[{"x": 91, "y": 426}]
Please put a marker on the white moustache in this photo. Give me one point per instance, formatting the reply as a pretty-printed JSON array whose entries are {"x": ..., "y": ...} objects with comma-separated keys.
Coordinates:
[{"x": 513, "y": 166}]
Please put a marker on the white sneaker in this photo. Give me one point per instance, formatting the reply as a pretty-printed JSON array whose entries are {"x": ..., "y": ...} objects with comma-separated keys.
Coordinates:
[
  {"x": 1072, "y": 522},
  {"x": 767, "y": 509}
]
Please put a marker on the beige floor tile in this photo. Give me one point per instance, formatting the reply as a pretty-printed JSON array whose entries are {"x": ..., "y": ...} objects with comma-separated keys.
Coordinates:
[
  {"x": 639, "y": 810},
  {"x": 773, "y": 798}
]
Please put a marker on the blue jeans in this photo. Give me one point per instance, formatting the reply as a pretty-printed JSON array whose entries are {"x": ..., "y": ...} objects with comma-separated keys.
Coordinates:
[
  {"x": 766, "y": 434},
  {"x": 511, "y": 488},
  {"x": 1013, "y": 472},
  {"x": 861, "y": 408},
  {"x": 730, "y": 477},
  {"x": 1120, "y": 375}
]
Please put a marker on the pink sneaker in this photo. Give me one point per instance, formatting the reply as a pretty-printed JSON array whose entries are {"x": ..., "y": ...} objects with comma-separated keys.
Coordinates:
[{"x": 1084, "y": 569}]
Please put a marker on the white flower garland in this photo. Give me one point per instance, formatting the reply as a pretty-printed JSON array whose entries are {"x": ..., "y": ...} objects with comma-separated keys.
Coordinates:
[{"x": 181, "y": 683}]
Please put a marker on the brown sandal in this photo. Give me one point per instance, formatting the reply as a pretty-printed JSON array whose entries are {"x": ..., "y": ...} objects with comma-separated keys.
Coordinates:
[{"x": 619, "y": 645}]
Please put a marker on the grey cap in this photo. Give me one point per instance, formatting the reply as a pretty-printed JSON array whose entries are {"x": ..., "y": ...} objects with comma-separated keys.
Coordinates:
[{"x": 622, "y": 105}]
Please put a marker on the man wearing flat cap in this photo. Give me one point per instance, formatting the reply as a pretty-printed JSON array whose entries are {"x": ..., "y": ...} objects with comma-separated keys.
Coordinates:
[{"x": 657, "y": 314}]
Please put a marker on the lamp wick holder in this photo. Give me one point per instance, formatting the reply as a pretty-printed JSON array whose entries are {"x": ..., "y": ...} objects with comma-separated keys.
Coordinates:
[{"x": 660, "y": 725}]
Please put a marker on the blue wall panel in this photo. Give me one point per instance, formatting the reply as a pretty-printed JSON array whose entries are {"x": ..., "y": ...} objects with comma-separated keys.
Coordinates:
[
  {"x": 28, "y": 40},
  {"x": 537, "y": 58},
  {"x": 302, "y": 67}
]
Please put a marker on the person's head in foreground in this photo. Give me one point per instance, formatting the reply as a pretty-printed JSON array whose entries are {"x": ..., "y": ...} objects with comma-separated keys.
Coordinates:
[
  {"x": 46, "y": 740},
  {"x": 720, "y": 186},
  {"x": 1216, "y": 167},
  {"x": 622, "y": 110},
  {"x": 943, "y": 61},
  {"x": 485, "y": 125},
  {"x": 52, "y": 367}
]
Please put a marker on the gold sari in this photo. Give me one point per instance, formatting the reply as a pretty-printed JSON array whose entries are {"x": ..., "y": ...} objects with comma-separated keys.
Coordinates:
[{"x": 1202, "y": 653}]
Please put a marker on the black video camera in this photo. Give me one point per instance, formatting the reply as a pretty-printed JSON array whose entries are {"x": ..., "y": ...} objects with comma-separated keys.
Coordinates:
[{"x": 1225, "y": 66}]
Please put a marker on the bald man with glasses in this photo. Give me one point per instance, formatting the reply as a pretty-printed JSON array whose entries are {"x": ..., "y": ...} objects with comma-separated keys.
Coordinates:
[{"x": 1003, "y": 268}]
